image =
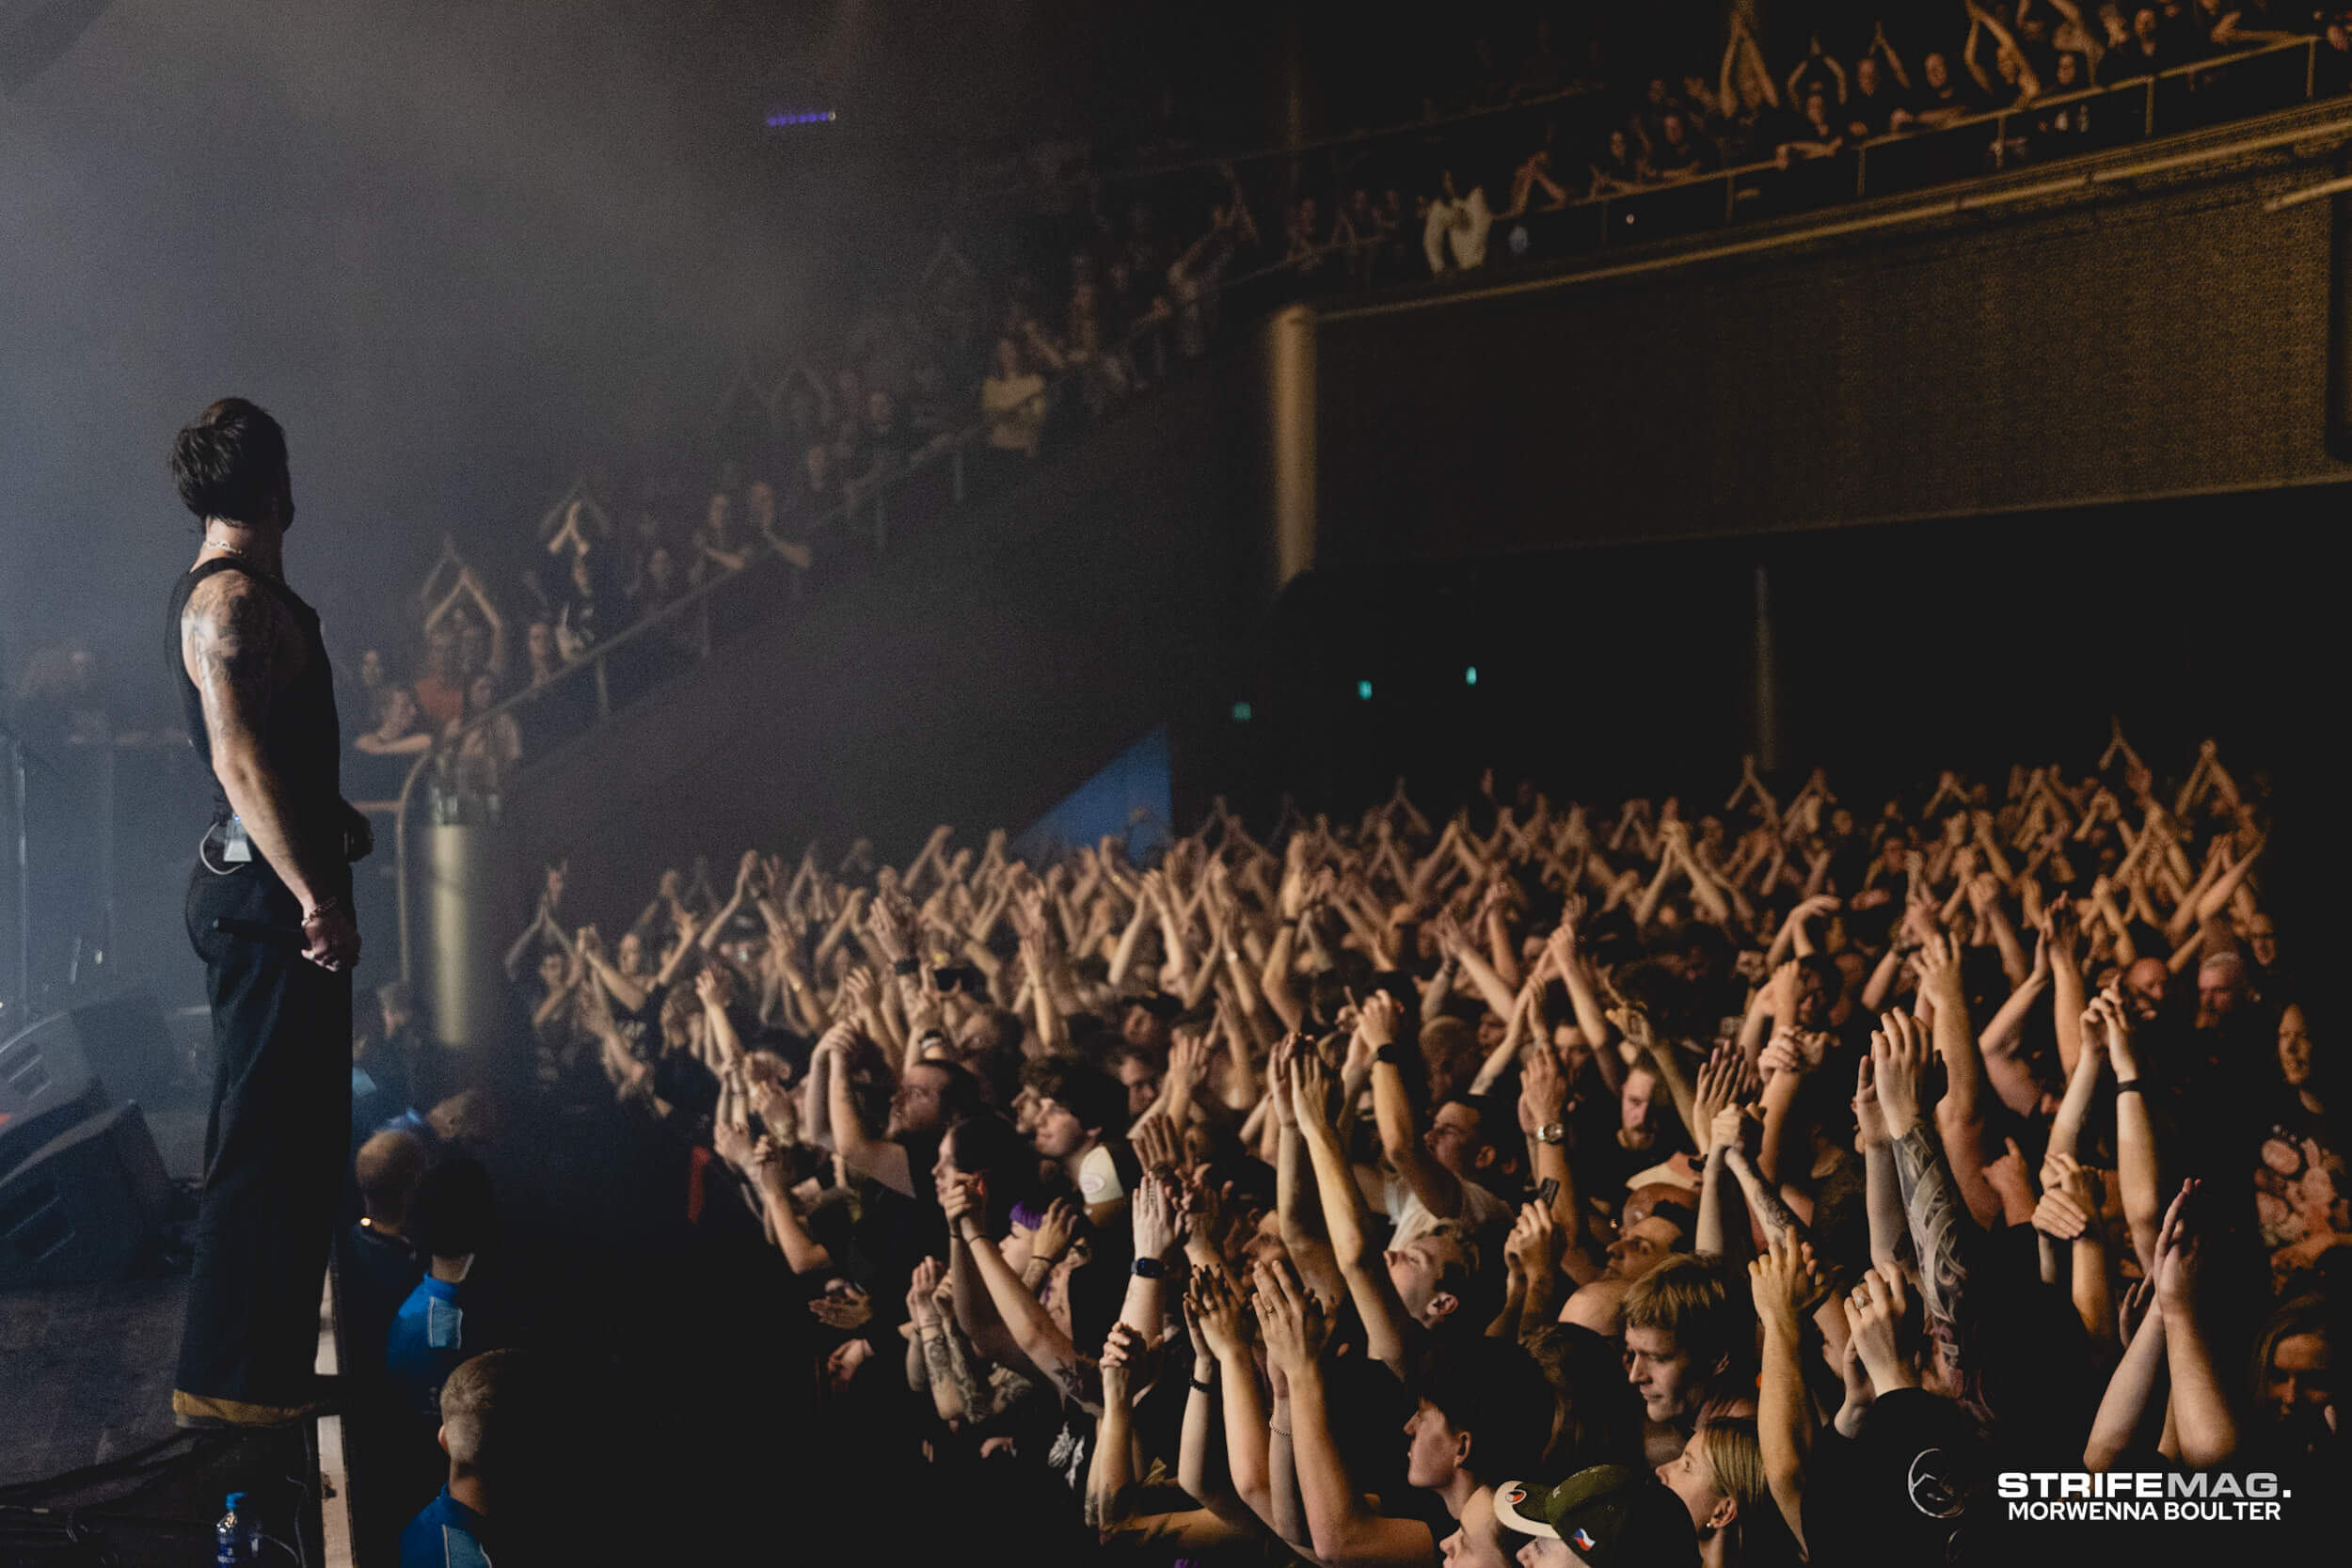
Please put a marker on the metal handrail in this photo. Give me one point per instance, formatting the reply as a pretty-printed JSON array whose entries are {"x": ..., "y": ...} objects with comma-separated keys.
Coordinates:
[
  {"x": 1406, "y": 128},
  {"x": 950, "y": 449},
  {"x": 1728, "y": 178}
]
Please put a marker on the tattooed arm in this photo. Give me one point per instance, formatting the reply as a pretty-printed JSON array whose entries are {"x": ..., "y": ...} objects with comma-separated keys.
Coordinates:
[
  {"x": 238, "y": 647},
  {"x": 1781, "y": 1225},
  {"x": 929, "y": 1370},
  {"x": 1939, "y": 1229},
  {"x": 984, "y": 1393},
  {"x": 1940, "y": 1225},
  {"x": 1032, "y": 1327}
]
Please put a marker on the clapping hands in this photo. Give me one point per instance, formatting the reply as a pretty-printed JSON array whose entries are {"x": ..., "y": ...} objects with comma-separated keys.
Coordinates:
[
  {"x": 1290, "y": 1319},
  {"x": 1786, "y": 1284},
  {"x": 923, "y": 1292},
  {"x": 1123, "y": 1356},
  {"x": 1157, "y": 1216},
  {"x": 1875, "y": 1313},
  {"x": 2069, "y": 1199},
  {"x": 844, "y": 1307},
  {"x": 1215, "y": 1306},
  {"x": 1900, "y": 1054},
  {"x": 1722, "y": 1084}
]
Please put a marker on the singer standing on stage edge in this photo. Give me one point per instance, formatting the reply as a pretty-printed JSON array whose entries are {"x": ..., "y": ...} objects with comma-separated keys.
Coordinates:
[{"x": 261, "y": 706}]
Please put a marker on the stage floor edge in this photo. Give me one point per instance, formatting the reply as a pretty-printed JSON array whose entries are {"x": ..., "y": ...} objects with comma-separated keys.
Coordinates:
[{"x": 333, "y": 1479}]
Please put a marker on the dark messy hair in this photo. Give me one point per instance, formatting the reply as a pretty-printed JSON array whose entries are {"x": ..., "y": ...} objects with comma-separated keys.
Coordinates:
[{"x": 232, "y": 463}]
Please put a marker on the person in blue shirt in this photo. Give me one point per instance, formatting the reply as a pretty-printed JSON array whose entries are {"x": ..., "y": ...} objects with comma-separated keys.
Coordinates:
[{"x": 477, "y": 1432}]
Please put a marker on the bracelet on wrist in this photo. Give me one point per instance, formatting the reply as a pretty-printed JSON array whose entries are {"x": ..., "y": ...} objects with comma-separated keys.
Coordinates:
[
  {"x": 1147, "y": 1268},
  {"x": 2127, "y": 1085},
  {"x": 1207, "y": 1387}
]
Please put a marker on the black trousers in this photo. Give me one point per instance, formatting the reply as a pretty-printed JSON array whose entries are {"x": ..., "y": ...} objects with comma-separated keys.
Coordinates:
[{"x": 274, "y": 1148}]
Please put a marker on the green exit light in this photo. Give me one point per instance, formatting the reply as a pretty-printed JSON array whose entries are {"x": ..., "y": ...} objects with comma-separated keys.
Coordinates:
[
  {"x": 1470, "y": 676},
  {"x": 1241, "y": 713},
  {"x": 1363, "y": 690}
]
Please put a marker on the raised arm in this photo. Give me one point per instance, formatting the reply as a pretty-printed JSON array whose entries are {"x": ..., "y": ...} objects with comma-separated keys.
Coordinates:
[
  {"x": 1346, "y": 1532},
  {"x": 1959, "y": 1114},
  {"x": 880, "y": 1159},
  {"x": 1222, "y": 1314},
  {"x": 1344, "y": 1220},
  {"x": 1941, "y": 1229},
  {"x": 1784, "y": 1287},
  {"x": 2133, "y": 1408},
  {"x": 1392, "y": 1111},
  {"x": 2138, "y": 1167},
  {"x": 1025, "y": 1316},
  {"x": 2202, "y": 1418},
  {"x": 520, "y": 951},
  {"x": 1882, "y": 1197},
  {"x": 1297, "y": 1202}
]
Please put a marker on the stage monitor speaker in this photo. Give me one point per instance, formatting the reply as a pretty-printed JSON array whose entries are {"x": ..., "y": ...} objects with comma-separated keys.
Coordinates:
[
  {"x": 129, "y": 1045},
  {"x": 46, "y": 1086},
  {"x": 80, "y": 1207}
]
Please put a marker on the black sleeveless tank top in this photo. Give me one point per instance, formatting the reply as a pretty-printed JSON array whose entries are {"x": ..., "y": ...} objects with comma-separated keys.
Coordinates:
[{"x": 300, "y": 733}]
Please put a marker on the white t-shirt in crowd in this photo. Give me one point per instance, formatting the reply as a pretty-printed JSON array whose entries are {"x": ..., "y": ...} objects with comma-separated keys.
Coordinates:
[
  {"x": 1098, "y": 1177},
  {"x": 1412, "y": 1219},
  {"x": 1458, "y": 225}
]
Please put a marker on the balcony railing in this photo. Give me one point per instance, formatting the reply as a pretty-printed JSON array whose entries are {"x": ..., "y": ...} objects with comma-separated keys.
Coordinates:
[{"x": 2186, "y": 98}]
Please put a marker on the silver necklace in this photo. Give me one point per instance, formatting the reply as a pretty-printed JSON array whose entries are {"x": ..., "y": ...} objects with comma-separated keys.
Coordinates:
[{"x": 213, "y": 543}]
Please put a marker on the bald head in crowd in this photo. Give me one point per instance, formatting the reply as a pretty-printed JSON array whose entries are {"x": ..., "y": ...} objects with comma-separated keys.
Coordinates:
[{"x": 388, "y": 1168}]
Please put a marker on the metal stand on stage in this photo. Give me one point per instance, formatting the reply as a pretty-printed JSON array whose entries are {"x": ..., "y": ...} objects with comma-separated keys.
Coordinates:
[{"x": 20, "y": 845}]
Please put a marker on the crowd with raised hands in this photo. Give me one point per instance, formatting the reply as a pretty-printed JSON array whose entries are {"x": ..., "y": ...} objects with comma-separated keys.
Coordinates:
[
  {"x": 1649, "y": 1183},
  {"x": 1498, "y": 144}
]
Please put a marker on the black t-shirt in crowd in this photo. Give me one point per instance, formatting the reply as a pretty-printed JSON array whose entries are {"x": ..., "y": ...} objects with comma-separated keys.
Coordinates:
[
  {"x": 1871, "y": 111},
  {"x": 640, "y": 1028},
  {"x": 896, "y": 1231},
  {"x": 374, "y": 776},
  {"x": 680, "y": 1078}
]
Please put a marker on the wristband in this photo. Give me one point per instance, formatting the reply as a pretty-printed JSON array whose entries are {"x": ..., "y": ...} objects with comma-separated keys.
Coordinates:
[
  {"x": 2127, "y": 1085},
  {"x": 1390, "y": 1055},
  {"x": 1147, "y": 1268},
  {"x": 1051, "y": 1260},
  {"x": 904, "y": 967},
  {"x": 964, "y": 1235},
  {"x": 322, "y": 907},
  {"x": 1204, "y": 1387}
]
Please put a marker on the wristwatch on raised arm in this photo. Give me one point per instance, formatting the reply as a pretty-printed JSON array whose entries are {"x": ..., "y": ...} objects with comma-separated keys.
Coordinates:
[{"x": 1553, "y": 1132}]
